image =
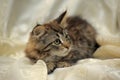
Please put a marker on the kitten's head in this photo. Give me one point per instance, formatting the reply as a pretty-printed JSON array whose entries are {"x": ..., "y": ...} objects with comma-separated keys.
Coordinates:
[{"x": 49, "y": 39}]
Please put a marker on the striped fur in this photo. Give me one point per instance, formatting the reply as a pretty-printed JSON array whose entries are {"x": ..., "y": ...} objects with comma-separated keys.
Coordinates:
[{"x": 61, "y": 45}]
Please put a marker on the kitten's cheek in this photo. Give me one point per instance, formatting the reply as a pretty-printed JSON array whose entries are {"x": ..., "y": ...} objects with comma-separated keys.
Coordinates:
[
  {"x": 42, "y": 56},
  {"x": 60, "y": 52}
]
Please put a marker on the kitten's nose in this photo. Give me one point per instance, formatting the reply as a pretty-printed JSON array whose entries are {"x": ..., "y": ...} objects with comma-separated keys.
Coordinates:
[{"x": 66, "y": 45}]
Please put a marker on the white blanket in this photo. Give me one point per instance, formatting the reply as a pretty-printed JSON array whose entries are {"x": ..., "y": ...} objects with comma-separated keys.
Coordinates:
[
  {"x": 18, "y": 17},
  {"x": 89, "y": 69},
  {"x": 21, "y": 69}
]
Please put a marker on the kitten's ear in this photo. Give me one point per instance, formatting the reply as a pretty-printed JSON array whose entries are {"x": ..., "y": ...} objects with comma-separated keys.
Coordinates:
[{"x": 62, "y": 18}]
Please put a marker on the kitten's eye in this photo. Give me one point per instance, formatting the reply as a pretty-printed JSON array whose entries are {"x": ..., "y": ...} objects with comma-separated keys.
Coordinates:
[{"x": 57, "y": 41}]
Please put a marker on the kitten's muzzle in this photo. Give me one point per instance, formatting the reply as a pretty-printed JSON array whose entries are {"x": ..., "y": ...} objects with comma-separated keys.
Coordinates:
[{"x": 66, "y": 45}]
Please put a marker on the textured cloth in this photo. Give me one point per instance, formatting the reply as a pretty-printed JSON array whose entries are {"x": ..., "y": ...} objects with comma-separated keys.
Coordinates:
[{"x": 18, "y": 17}]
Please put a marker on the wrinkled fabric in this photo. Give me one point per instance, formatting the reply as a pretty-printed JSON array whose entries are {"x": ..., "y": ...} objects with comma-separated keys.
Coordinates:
[
  {"x": 18, "y": 17},
  {"x": 89, "y": 69},
  {"x": 21, "y": 69}
]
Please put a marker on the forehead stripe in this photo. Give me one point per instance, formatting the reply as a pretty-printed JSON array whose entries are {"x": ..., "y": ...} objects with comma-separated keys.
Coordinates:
[{"x": 54, "y": 27}]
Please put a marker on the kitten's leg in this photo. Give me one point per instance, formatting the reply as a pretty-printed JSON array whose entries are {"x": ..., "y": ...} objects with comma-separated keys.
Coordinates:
[
  {"x": 50, "y": 67},
  {"x": 63, "y": 64}
]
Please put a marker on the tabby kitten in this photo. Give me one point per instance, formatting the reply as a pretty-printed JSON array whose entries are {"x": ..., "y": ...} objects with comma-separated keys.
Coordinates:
[{"x": 61, "y": 42}]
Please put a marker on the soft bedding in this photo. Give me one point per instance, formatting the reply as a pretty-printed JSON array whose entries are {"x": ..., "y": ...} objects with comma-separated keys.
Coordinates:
[{"x": 18, "y": 17}]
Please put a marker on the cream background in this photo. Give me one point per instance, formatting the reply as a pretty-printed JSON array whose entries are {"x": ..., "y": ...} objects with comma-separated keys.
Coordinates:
[{"x": 18, "y": 17}]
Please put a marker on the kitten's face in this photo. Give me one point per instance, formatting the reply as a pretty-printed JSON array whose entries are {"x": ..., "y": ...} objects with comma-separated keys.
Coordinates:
[
  {"x": 49, "y": 40},
  {"x": 55, "y": 42}
]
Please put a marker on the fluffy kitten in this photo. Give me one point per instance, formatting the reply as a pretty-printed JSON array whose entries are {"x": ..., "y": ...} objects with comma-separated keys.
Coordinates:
[{"x": 61, "y": 42}]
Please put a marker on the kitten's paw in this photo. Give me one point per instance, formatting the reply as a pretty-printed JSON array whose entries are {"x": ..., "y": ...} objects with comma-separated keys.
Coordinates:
[
  {"x": 50, "y": 66},
  {"x": 63, "y": 64}
]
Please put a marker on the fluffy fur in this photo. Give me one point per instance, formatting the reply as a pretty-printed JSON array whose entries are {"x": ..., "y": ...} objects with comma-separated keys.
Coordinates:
[{"x": 61, "y": 42}]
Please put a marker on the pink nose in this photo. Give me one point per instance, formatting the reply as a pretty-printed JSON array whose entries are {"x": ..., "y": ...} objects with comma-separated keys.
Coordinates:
[{"x": 66, "y": 45}]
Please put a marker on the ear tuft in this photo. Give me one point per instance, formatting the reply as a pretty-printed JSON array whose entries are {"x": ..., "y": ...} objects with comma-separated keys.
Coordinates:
[{"x": 61, "y": 17}]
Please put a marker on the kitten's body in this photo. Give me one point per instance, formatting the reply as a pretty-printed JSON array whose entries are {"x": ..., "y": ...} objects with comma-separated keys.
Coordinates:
[{"x": 75, "y": 40}]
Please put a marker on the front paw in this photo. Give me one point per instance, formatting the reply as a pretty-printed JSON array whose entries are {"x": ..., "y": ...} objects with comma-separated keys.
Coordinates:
[
  {"x": 50, "y": 67},
  {"x": 63, "y": 64}
]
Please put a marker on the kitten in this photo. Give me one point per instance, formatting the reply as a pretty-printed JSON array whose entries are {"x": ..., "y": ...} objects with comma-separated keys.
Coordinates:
[{"x": 61, "y": 42}]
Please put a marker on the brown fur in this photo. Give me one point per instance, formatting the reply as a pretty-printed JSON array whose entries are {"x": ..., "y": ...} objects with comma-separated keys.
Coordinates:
[{"x": 80, "y": 45}]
